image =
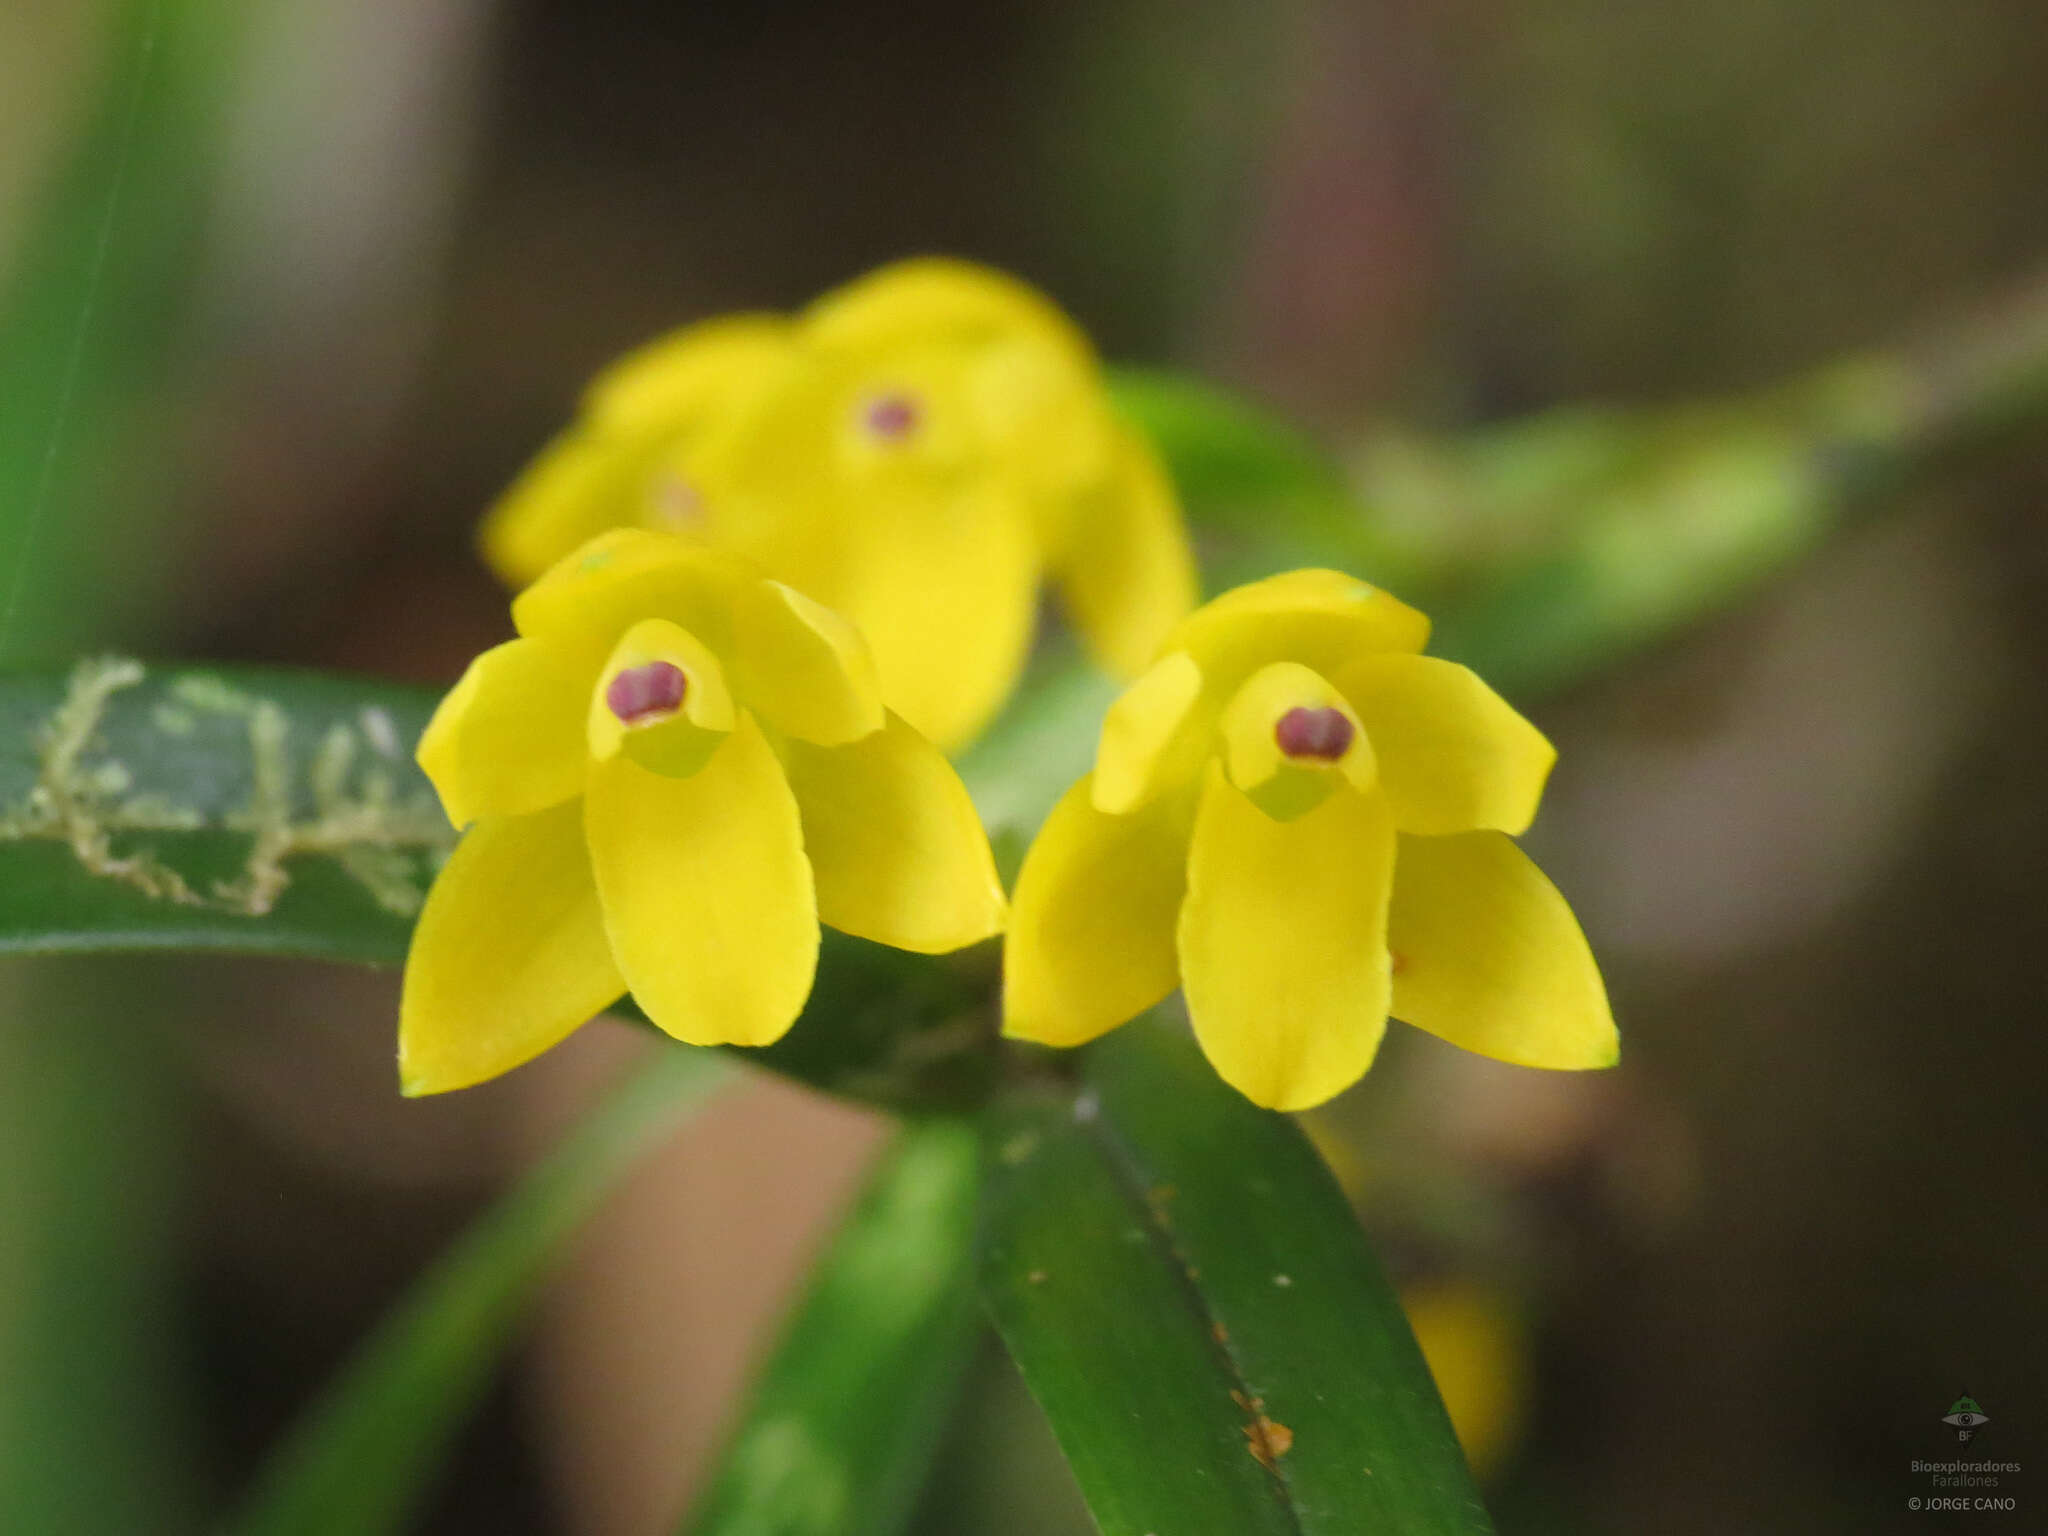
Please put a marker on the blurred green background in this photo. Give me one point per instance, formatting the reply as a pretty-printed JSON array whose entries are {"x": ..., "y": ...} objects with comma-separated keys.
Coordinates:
[{"x": 290, "y": 288}]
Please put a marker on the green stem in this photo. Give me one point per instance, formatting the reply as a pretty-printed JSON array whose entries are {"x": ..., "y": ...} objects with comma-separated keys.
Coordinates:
[{"x": 359, "y": 1460}]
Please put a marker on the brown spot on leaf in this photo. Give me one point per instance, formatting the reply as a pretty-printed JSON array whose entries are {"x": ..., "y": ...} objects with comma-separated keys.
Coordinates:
[{"x": 1266, "y": 1440}]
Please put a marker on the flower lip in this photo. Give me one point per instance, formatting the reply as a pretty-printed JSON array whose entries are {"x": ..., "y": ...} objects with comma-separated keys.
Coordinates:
[
  {"x": 647, "y": 694},
  {"x": 892, "y": 416},
  {"x": 1324, "y": 734}
]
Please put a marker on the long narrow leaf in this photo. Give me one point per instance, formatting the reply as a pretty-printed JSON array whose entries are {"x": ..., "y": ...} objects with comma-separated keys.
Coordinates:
[
  {"x": 1190, "y": 1299},
  {"x": 848, "y": 1413},
  {"x": 261, "y": 811},
  {"x": 230, "y": 808},
  {"x": 358, "y": 1462}
]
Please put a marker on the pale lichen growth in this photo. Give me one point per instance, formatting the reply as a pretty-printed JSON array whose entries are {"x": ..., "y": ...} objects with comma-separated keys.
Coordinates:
[
  {"x": 68, "y": 799},
  {"x": 381, "y": 733},
  {"x": 172, "y": 720},
  {"x": 376, "y": 838}
]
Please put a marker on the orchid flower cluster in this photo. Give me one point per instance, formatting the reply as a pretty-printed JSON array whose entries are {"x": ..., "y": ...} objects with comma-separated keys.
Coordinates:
[{"x": 779, "y": 567}]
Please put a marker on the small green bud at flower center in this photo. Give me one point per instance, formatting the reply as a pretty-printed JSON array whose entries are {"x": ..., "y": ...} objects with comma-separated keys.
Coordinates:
[
  {"x": 642, "y": 695},
  {"x": 1317, "y": 733},
  {"x": 892, "y": 417}
]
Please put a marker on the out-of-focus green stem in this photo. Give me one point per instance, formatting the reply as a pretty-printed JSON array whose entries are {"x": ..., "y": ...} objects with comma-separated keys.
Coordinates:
[
  {"x": 361, "y": 1458},
  {"x": 1551, "y": 547},
  {"x": 92, "y": 327},
  {"x": 94, "y": 1425},
  {"x": 1984, "y": 376}
]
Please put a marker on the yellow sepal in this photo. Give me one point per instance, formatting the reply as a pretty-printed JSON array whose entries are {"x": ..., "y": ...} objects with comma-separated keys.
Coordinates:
[
  {"x": 1091, "y": 922},
  {"x": 505, "y": 740},
  {"x": 1454, "y": 756},
  {"x": 1126, "y": 571},
  {"x": 596, "y": 592},
  {"x": 672, "y": 384},
  {"x": 509, "y": 955},
  {"x": 807, "y": 670},
  {"x": 898, "y": 852},
  {"x": 1146, "y": 733},
  {"x": 1322, "y": 619},
  {"x": 1488, "y": 956}
]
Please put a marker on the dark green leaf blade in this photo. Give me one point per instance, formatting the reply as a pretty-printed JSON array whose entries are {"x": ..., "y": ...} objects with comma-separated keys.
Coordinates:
[
  {"x": 262, "y": 811},
  {"x": 357, "y": 1463},
  {"x": 1263, "y": 494},
  {"x": 1310, "y": 1319},
  {"x": 240, "y": 808},
  {"x": 1222, "y": 449},
  {"x": 1111, "y": 1339},
  {"x": 1190, "y": 1299},
  {"x": 848, "y": 1413}
]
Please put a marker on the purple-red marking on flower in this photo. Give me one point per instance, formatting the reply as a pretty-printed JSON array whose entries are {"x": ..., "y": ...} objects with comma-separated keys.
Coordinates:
[
  {"x": 642, "y": 695},
  {"x": 892, "y": 417},
  {"x": 1319, "y": 733}
]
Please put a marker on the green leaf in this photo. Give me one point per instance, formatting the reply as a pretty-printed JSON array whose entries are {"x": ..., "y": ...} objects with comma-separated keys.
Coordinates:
[
  {"x": 1039, "y": 746},
  {"x": 358, "y": 1462},
  {"x": 228, "y": 808},
  {"x": 1193, "y": 1304},
  {"x": 97, "y": 326},
  {"x": 98, "y": 1427},
  {"x": 263, "y": 811},
  {"x": 1263, "y": 494},
  {"x": 849, "y": 1412},
  {"x": 1223, "y": 450}
]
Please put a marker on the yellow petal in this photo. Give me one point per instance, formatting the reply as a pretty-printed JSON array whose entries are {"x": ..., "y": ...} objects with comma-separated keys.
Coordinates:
[
  {"x": 1031, "y": 387},
  {"x": 1454, "y": 757},
  {"x": 577, "y": 487},
  {"x": 803, "y": 667},
  {"x": 508, "y": 738},
  {"x": 594, "y": 593},
  {"x": 676, "y": 742},
  {"x": 707, "y": 895},
  {"x": 946, "y": 591},
  {"x": 1091, "y": 924},
  {"x": 935, "y": 297},
  {"x": 1042, "y": 411},
  {"x": 674, "y": 383},
  {"x": 613, "y": 467},
  {"x": 1256, "y": 728},
  {"x": 1145, "y": 736},
  {"x": 1322, "y": 619},
  {"x": 898, "y": 852},
  {"x": 1283, "y": 943},
  {"x": 934, "y": 561},
  {"x": 509, "y": 956},
  {"x": 1487, "y": 955},
  {"x": 1127, "y": 572}
]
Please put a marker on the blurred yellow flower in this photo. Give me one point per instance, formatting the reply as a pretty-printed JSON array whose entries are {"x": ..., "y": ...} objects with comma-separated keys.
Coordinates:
[
  {"x": 673, "y": 775},
  {"x": 1305, "y": 824},
  {"x": 1478, "y": 1351},
  {"x": 918, "y": 450}
]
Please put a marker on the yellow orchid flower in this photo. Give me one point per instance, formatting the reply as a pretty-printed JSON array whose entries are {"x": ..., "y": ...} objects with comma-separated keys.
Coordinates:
[
  {"x": 1306, "y": 824},
  {"x": 919, "y": 451},
  {"x": 674, "y": 774}
]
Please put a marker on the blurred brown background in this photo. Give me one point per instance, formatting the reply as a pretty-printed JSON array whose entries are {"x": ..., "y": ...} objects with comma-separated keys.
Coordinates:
[{"x": 1750, "y": 1269}]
